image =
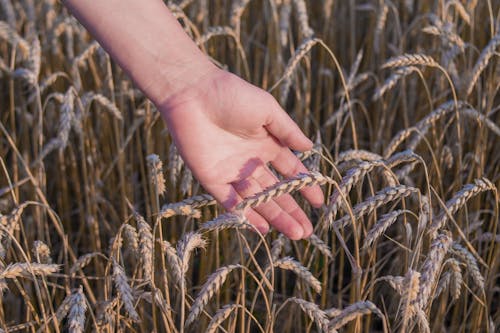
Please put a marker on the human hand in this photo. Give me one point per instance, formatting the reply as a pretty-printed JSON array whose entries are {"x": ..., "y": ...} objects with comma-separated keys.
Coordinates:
[{"x": 227, "y": 131}]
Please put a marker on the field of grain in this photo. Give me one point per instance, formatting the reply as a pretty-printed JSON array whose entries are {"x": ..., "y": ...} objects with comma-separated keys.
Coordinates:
[{"x": 104, "y": 229}]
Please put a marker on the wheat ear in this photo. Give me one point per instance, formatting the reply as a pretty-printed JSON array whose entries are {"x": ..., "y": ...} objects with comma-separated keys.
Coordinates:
[{"x": 210, "y": 288}]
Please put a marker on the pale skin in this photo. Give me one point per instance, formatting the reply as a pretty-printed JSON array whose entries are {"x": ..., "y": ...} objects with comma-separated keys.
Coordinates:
[{"x": 226, "y": 130}]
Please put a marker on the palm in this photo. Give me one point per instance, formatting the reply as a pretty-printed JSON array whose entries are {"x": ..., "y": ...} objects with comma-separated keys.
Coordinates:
[{"x": 227, "y": 133}]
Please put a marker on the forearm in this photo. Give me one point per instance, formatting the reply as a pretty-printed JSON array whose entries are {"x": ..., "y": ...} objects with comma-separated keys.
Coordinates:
[{"x": 146, "y": 41}]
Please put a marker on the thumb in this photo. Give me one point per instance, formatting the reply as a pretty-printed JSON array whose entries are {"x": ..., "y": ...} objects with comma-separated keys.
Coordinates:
[{"x": 283, "y": 128}]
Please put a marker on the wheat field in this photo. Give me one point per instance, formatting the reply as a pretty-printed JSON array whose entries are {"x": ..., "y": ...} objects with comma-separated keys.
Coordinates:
[{"x": 104, "y": 229}]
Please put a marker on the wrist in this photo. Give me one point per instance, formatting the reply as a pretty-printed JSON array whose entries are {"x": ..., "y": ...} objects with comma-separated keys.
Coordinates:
[{"x": 192, "y": 88}]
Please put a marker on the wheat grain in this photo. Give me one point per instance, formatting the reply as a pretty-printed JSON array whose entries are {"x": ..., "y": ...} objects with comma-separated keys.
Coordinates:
[
  {"x": 286, "y": 186},
  {"x": 352, "y": 177},
  {"x": 407, "y": 59},
  {"x": 173, "y": 260},
  {"x": 431, "y": 268},
  {"x": 83, "y": 261},
  {"x": 8, "y": 34},
  {"x": 41, "y": 252},
  {"x": 458, "y": 200},
  {"x": 392, "y": 80},
  {"x": 482, "y": 62},
  {"x": 156, "y": 173},
  {"x": 27, "y": 270},
  {"x": 380, "y": 198},
  {"x": 313, "y": 311},
  {"x": 321, "y": 246},
  {"x": 411, "y": 287},
  {"x": 470, "y": 263},
  {"x": 124, "y": 291},
  {"x": 290, "y": 264},
  {"x": 132, "y": 237},
  {"x": 352, "y": 312},
  {"x": 145, "y": 246},
  {"x": 381, "y": 226},
  {"x": 210, "y": 288},
  {"x": 189, "y": 242},
  {"x": 284, "y": 21},
  {"x": 221, "y": 315},
  {"x": 227, "y": 221},
  {"x": 76, "y": 316},
  {"x": 379, "y": 26},
  {"x": 303, "y": 18}
]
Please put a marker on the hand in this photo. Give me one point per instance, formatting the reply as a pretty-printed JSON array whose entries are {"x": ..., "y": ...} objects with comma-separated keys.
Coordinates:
[{"x": 227, "y": 131}]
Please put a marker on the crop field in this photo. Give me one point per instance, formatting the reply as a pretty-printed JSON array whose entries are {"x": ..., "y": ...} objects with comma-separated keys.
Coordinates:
[{"x": 104, "y": 229}]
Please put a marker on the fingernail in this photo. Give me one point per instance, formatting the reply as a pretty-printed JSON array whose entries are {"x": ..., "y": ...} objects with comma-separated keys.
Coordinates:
[{"x": 296, "y": 233}]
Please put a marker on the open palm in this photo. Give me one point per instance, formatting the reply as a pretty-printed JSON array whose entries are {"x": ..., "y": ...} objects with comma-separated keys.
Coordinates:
[{"x": 227, "y": 131}]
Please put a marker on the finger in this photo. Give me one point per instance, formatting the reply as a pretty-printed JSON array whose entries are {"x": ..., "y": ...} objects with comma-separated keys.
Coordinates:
[
  {"x": 289, "y": 165},
  {"x": 271, "y": 211},
  {"x": 264, "y": 177},
  {"x": 229, "y": 198},
  {"x": 283, "y": 128}
]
